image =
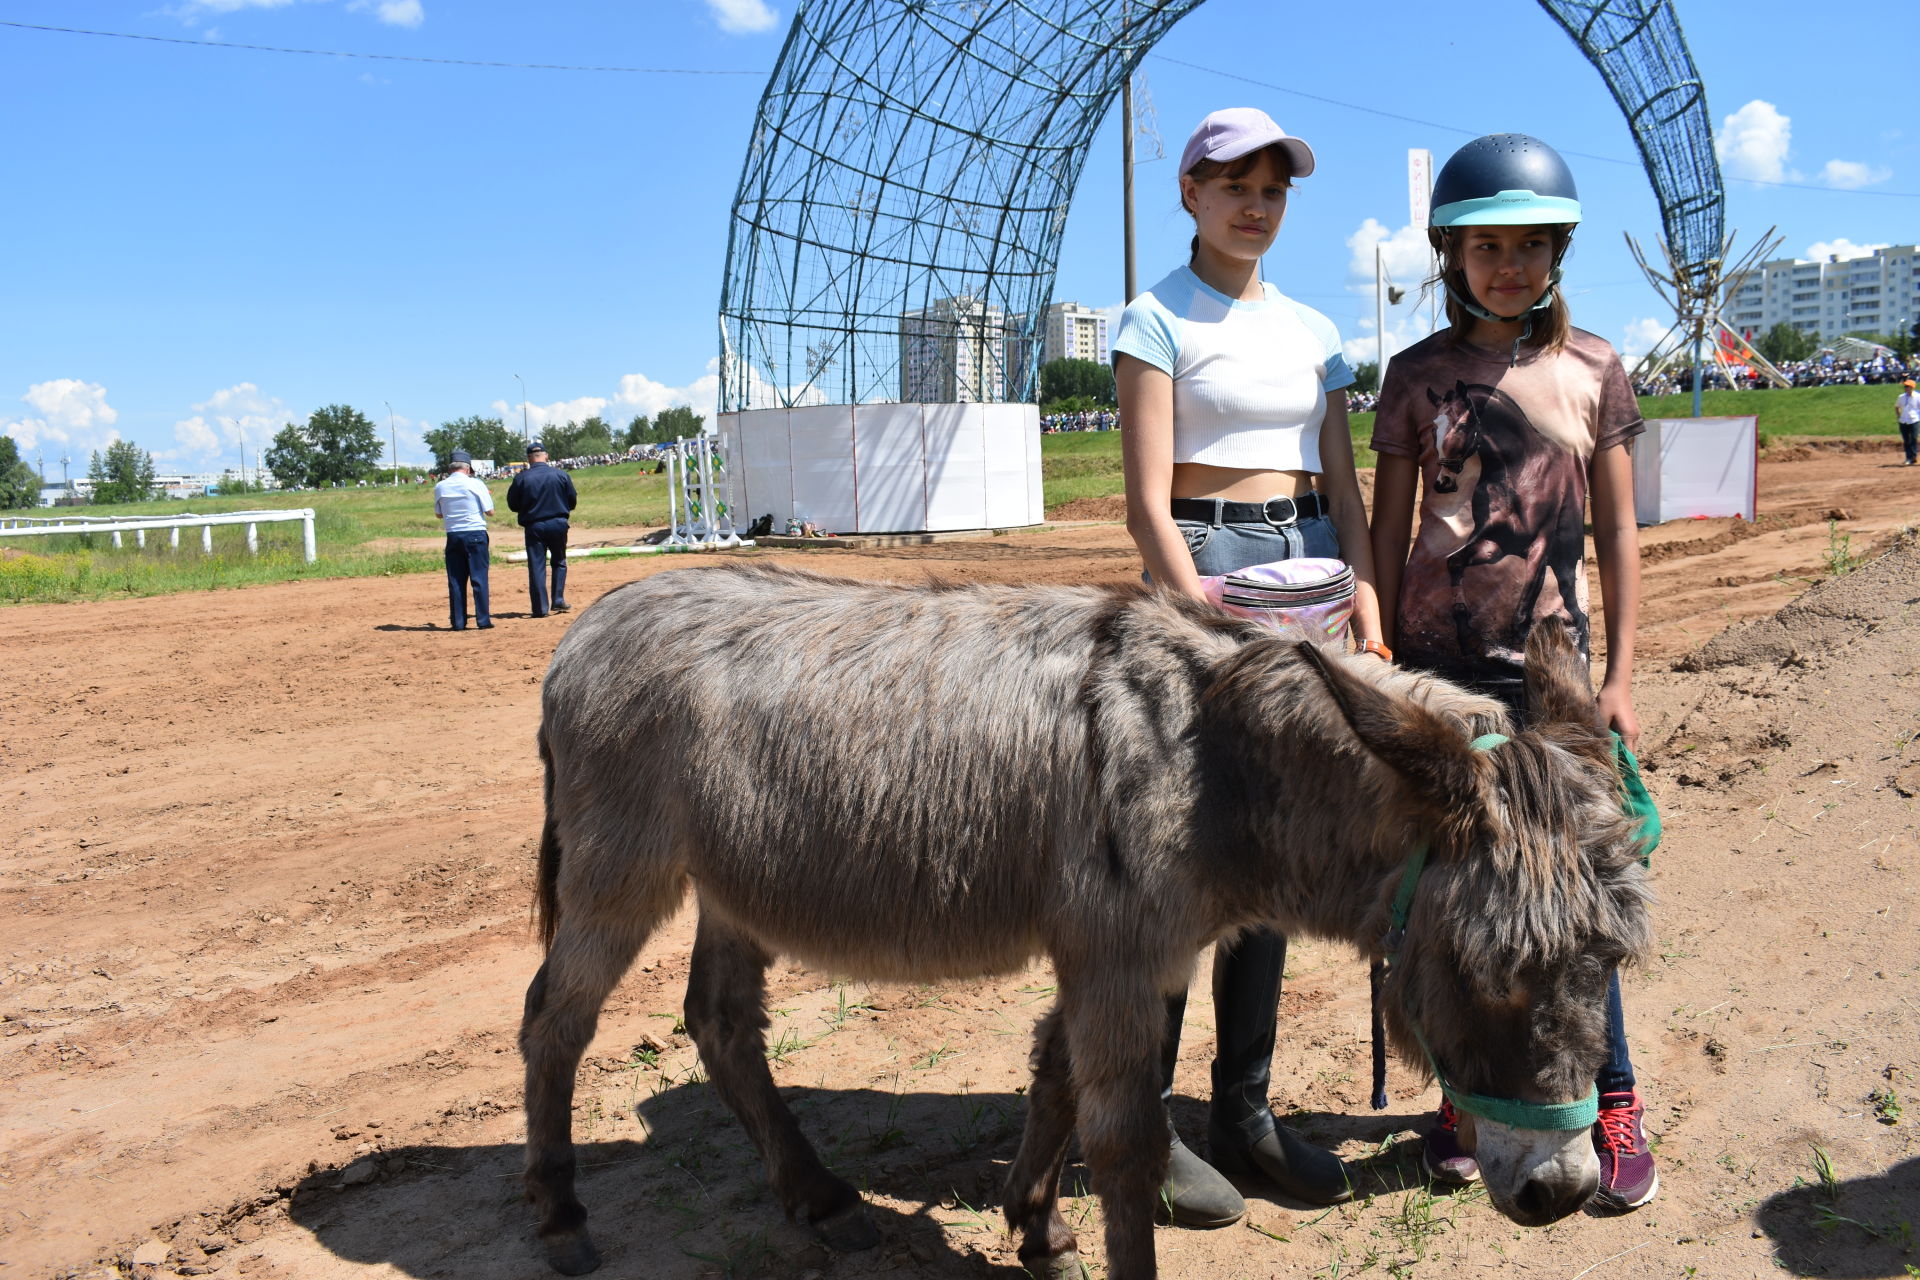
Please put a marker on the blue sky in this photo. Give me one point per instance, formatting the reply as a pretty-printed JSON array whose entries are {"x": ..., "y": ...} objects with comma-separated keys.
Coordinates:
[{"x": 204, "y": 243}]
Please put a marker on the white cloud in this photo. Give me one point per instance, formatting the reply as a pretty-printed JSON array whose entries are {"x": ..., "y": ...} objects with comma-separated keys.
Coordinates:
[
  {"x": 1842, "y": 249},
  {"x": 1754, "y": 142},
  {"x": 1408, "y": 256},
  {"x": 1640, "y": 335},
  {"x": 1850, "y": 175},
  {"x": 1408, "y": 259},
  {"x": 225, "y": 421},
  {"x": 69, "y": 415},
  {"x": 395, "y": 13},
  {"x": 742, "y": 17}
]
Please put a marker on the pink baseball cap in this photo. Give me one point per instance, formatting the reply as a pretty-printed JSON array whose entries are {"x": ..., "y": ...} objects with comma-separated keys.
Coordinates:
[{"x": 1228, "y": 134}]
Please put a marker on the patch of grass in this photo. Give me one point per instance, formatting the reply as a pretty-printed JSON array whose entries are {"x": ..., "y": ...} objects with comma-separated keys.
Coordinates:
[
  {"x": 354, "y": 531},
  {"x": 1840, "y": 557},
  {"x": 1825, "y": 412}
]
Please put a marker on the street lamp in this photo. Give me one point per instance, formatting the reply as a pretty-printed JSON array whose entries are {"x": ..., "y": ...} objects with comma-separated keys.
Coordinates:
[
  {"x": 526, "y": 433},
  {"x": 242, "y": 436},
  {"x": 393, "y": 438},
  {"x": 1385, "y": 293}
]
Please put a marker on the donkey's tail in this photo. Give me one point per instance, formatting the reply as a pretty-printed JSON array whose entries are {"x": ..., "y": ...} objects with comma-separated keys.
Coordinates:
[{"x": 546, "y": 900}]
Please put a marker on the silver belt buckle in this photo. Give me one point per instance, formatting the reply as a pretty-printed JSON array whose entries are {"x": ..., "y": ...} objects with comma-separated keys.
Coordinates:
[{"x": 1281, "y": 522}]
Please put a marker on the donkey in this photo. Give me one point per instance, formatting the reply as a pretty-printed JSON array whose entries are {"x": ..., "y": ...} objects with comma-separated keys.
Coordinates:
[
  {"x": 921, "y": 783},
  {"x": 1518, "y": 508}
]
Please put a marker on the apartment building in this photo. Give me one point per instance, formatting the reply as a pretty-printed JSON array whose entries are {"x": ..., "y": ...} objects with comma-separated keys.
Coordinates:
[
  {"x": 954, "y": 351},
  {"x": 1074, "y": 331},
  {"x": 1879, "y": 294}
]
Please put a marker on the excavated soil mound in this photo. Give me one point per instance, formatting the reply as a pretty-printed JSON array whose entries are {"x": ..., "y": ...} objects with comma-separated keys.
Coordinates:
[{"x": 1826, "y": 618}]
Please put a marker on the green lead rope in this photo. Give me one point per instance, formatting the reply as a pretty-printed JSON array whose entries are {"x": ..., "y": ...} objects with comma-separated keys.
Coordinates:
[{"x": 1580, "y": 1114}]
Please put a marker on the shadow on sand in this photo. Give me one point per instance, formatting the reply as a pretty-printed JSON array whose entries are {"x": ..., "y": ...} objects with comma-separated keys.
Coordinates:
[
  {"x": 1853, "y": 1229},
  {"x": 676, "y": 1191}
]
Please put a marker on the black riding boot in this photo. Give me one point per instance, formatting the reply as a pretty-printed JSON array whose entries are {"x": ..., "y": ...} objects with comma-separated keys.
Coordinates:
[
  {"x": 1195, "y": 1193},
  {"x": 560, "y": 604},
  {"x": 1242, "y": 1136}
]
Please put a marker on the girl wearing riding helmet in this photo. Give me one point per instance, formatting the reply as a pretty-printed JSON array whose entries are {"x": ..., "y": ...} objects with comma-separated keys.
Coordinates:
[
  {"x": 1506, "y": 421},
  {"x": 1236, "y": 453}
]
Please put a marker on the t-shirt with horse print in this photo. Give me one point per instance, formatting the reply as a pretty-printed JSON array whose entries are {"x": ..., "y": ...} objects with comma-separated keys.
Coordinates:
[{"x": 1503, "y": 450}]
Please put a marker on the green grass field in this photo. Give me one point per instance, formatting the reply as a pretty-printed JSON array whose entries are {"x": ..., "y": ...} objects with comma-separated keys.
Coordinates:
[
  {"x": 354, "y": 532},
  {"x": 356, "y": 529}
]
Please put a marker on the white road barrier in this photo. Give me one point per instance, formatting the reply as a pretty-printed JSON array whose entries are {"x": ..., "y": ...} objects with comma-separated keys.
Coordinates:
[{"x": 28, "y": 526}]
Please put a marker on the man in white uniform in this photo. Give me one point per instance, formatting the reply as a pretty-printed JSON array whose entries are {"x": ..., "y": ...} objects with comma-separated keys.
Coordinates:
[
  {"x": 463, "y": 505},
  {"x": 1907, "y": 411}
]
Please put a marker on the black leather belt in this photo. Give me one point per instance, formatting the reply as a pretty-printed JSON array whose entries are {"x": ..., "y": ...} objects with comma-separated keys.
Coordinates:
[{"x": 1279, "y": 512}]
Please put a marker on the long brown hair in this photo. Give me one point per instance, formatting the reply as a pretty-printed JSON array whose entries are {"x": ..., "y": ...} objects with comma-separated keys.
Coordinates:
[
  {"x": 1550, "y": 328},
  {"x": 1204, "y": 170}
]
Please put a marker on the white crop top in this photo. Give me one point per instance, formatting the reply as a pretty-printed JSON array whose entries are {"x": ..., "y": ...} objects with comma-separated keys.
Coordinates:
[{"x": 1250, "y": 379}]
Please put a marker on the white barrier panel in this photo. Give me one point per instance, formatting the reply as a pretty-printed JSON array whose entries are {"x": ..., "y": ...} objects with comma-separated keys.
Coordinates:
[
  {"x": 824, "y": 467},
  {"x": 890, "y": 461},
  {"x": 889, "y": 468},
  {"x": 956, "y": 436},
  {"x": 1686, "y": 467},
  {"x": 23, "y": 527},
  {"x": 757, "y": 442}
]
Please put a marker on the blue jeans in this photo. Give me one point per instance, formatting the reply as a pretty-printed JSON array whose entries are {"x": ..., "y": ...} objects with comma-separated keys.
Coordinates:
[
  {"x": 544, "y": 538},
  {"x": 1223, "y": 548},
  {"x": 1616, "y": 1075},
  {"x": 467, "y": 562},
  {"x": 1247, "y": 973}
]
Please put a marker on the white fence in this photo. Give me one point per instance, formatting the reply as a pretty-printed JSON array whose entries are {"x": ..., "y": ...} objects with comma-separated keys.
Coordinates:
[{"x": 138, "y": 526}]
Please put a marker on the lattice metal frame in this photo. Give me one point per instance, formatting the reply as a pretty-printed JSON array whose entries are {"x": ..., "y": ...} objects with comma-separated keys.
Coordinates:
[{"x": 905, "y": 189}]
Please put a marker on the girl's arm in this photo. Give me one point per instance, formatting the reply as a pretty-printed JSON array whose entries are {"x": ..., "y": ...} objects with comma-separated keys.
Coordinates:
[
  {"x": 1349, "y": 515},
  {"x": 1616, "y": 540},
  {"x": 1395, "y": 480},
  {"x": 1146, "y": 456}
]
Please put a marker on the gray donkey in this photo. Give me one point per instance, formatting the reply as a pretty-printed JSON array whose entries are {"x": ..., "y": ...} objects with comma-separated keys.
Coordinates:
[{"x": 916, "y": 784}]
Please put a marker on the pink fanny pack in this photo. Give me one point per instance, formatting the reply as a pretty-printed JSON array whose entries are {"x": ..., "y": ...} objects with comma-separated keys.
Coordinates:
[{"x": 1312, "y": 593}]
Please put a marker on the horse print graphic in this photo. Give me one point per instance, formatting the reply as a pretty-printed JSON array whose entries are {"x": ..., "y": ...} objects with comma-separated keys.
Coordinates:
[{"x": 1522, "y": 509}]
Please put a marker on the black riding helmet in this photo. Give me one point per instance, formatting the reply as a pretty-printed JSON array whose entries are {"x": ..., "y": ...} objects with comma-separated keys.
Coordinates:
[{"x": 1503, "y": 180}]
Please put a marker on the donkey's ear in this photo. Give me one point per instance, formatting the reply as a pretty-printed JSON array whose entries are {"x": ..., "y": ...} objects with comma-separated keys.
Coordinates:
[
  {"x": 1423, "y": 748},
  {"x": 1432, "y": 398},
  {"x": 1559, "y": 685}
]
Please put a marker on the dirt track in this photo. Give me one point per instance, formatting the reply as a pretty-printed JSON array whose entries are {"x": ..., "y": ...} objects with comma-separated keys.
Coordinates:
[{"x": 266, "y": 883}]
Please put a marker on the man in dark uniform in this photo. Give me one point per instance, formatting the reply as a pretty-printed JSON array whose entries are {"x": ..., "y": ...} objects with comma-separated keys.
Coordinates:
[{"x": 542, "y": 495}]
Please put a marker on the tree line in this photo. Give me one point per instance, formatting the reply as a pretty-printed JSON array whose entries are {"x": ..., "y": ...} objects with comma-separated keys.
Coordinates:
[
  {"x": 339, "y": 445},
  {"x": 490, "y": 438}
]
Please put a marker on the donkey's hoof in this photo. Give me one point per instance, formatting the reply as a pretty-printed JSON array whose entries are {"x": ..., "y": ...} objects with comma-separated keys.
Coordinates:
[
  {"x": 849, "y": 1230},
  {"x": 1059, "y": 1266},
  {"x": 572, "y": 1254}
]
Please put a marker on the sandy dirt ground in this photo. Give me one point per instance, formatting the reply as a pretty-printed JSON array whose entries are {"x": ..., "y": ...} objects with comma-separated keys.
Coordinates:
[{"x": 266, "y": 880}]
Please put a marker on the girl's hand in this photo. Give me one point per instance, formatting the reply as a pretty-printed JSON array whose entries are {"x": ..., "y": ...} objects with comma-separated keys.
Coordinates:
[{"x": 1616, "y": 712}]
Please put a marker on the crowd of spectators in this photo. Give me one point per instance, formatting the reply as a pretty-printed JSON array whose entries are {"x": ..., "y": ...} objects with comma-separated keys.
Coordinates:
[
  {"x": 1361, "y": 401},
  {"x": 1089, "y": 420},
  {"x": 1821, "y": 371}
]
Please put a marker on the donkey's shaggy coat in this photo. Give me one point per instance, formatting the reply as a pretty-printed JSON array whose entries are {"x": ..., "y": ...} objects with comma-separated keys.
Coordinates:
[{"x": 926, "y": 783}]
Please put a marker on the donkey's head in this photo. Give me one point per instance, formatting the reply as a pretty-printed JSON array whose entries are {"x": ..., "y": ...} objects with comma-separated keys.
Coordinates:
[{"x": 1532, "y": 895}]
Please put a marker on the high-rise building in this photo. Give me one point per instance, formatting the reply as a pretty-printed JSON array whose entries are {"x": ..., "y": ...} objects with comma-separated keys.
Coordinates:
[
  {"x": 1074, "y": 332},
  {"x": 1876, "y": 295},
  {"x": 954, "y": 351}
]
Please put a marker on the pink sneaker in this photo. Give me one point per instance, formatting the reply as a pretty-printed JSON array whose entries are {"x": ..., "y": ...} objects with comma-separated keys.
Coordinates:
[
  {"x": 1627, "y": 1176},
  {"x": 1446, "y": 1162}
]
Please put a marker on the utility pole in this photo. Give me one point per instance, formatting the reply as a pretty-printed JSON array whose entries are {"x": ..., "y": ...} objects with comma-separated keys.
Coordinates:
[
  {"x": 525, "y": 433},
  {"x": 393, "y": 439},
  {"x": 1379, "y": 317},
  {"x": 1126, "y": 161}
]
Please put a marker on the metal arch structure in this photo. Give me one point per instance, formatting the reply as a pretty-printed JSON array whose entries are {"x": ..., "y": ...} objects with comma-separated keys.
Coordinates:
[{"x": 905, "y": 188}]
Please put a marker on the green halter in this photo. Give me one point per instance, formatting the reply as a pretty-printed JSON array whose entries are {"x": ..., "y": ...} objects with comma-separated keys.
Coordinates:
[{"x": 1580, "y": 1114}]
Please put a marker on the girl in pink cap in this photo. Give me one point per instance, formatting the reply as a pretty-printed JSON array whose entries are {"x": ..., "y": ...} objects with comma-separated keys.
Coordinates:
[{"x": 1237, "y": 453}]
